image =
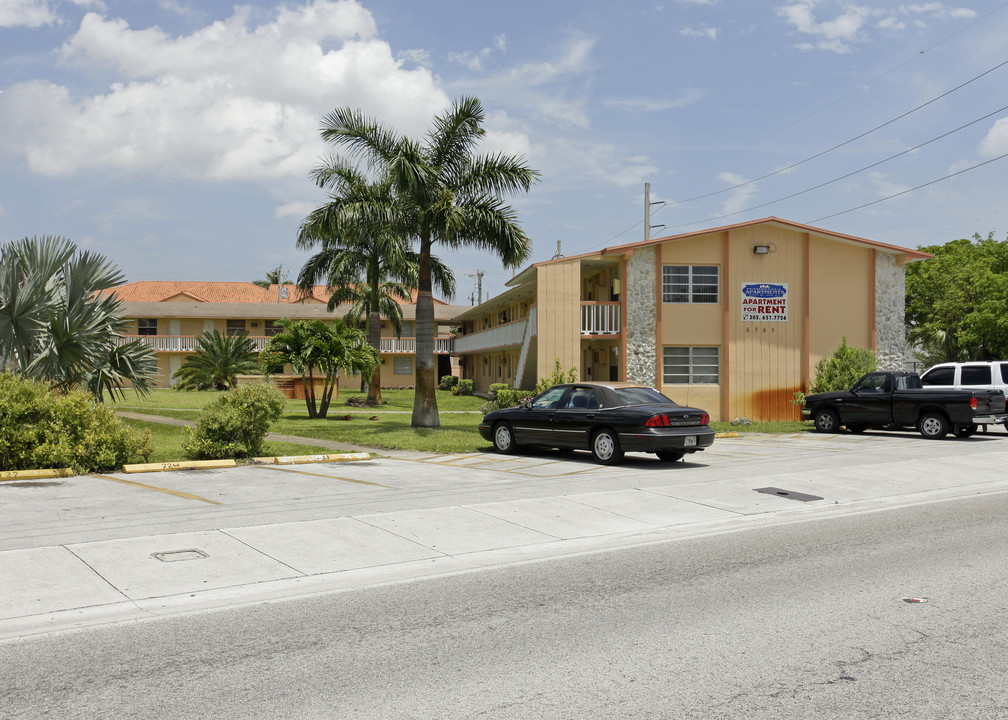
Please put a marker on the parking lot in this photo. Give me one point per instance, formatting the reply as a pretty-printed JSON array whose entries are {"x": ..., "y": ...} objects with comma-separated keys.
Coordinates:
[{"x": 130, "y": 545}]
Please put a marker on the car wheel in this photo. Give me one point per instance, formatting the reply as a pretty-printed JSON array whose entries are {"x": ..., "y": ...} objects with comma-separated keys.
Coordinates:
[
  {"x": 670, "y": 455},
  {"x": 964, "y": 431},
  {"x": 933, "y": 426},
  {"x": 605, "y": 447},
  {"x": 826, "y": 420},
  {"x": 856, "y": 428},
  {"x": 503, "y": 438}
]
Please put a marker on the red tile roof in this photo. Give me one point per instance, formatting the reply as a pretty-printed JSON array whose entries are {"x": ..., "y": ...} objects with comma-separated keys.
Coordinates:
[{"x": 220, "y": 292}]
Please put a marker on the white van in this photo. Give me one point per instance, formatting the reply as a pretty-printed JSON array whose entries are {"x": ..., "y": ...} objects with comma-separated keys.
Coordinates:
[{"x": 972, "y": 375}]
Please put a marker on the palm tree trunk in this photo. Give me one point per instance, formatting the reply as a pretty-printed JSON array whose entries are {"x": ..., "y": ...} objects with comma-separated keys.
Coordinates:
[
  {"x": 425, "y": 411},
  {"x": 374, "y": 340}
]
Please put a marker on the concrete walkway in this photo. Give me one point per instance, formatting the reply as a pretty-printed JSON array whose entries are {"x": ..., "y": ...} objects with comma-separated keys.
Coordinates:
[{"x": 106, "y": 548}]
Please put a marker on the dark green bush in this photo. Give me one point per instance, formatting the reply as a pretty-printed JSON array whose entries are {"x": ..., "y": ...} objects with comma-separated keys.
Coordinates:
[
  {"x": 448, "y": 382},
  {"x": 235, "y": 424},
  {"x": 41, "y": 429},
  {"x": 842, "y": 368},
  {"x": 497, "y": 387},
  {"x": 466, "y": 387}
]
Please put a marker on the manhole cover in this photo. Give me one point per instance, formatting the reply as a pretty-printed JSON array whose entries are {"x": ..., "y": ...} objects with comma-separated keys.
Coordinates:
[
  {"x": 176, "y": 555},
  {"x": 789, "y": 494}
]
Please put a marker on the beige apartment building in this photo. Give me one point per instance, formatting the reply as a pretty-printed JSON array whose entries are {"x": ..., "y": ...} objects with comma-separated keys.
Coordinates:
[
  {"x": 171, "y": 315},
  {"x": 730, "y": 319}
]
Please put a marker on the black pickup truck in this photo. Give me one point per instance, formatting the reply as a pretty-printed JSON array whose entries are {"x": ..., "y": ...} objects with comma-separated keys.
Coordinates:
[{"x": 895, "y": 400}]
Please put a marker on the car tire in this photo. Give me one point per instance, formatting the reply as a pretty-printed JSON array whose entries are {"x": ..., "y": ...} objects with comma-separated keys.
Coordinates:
[
  {"x": 826, "y": 420},
  {"x": 670, "y": 455},
  {"x": 965, "y": 431},
  {"x": 503, "y": 438},
  {"x": 605, "y": 447},
  {"x": 856, "y": 428},
  {"x": 933, "y": 426}
]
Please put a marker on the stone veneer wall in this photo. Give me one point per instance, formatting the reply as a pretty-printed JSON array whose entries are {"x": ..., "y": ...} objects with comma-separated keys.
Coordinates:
[
  {"x": 890, "y": 312},
  {"x": 642, "y": 316}
]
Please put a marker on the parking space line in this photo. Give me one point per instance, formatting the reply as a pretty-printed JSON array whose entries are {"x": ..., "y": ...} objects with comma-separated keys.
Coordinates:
[
  {"x": 322, "y": 475},
  {"x": 155, "y": 488}
]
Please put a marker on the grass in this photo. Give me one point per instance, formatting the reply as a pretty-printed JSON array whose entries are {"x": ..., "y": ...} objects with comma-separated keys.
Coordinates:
[
  {"x": 167, "y": 441},
  {"x": 389, "y": 429}
]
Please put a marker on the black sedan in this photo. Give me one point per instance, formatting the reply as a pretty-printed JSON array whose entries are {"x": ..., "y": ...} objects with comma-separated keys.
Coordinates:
[{"x": 606, "y": 418}]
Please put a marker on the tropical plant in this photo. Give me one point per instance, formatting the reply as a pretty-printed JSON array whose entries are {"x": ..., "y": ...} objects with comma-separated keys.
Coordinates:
[
  {"x": 310, "y": 345},
  {"x": 272, "y": 278},
  {"x": 60, "y": 324},
  {"x": 445, "y": 193},
  {"x": 234, "y": 425},
  {"x": 219, "y": 359},
  {"x": 361, "y": 260},
  {"x": 842, "y": 368}
]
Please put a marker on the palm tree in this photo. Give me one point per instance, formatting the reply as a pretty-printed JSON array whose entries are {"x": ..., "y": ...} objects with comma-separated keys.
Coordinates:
[
  {"x": 219, "y": 359},
  {"x": 357, "y": 241},
  {"x": 329, "y": 347},
  {"x": 59, "y": 324},
  {"x": 272, "y": 278},
  {"x": 444, "y": 193}
]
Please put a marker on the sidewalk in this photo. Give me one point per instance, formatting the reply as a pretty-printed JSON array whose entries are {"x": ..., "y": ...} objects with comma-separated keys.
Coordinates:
[{"x": 101, "y": 548}]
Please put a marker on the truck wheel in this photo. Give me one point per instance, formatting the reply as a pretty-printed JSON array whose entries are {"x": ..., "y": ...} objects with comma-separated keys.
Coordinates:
[
  {"x": 826, "y": 420},
  {"x": 933, "y": 426},
  {"x": 964, "y": 431}
]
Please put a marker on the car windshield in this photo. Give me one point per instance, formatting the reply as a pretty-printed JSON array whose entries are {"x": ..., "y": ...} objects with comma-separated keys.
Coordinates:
[{"x": 641, "y": 396}]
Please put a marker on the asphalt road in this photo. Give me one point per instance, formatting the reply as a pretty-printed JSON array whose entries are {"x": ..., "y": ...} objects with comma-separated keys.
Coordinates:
[{"x": 799, "y": 620}]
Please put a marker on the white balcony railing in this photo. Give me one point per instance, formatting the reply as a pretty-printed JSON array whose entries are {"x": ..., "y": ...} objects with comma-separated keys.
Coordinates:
[
  {"x": 187, "y": 343},
  {"x": 511, "y": 333},
  {"x": 600, "y": 318}
]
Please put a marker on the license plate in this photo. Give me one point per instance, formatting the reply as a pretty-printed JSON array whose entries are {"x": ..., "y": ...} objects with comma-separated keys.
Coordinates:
[{"x": 690, "y": 441}]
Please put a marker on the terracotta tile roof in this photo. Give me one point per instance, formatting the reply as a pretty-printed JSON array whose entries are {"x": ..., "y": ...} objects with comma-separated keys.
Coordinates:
[{"x": 220, "y": 292}]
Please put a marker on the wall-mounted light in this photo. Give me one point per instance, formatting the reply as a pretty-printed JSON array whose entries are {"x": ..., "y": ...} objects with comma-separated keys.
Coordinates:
[{"x": 761, "y": 249}]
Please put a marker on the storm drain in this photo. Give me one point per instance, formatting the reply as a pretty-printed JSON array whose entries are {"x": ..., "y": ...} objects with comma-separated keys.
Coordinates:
[
  {"x": 177, "y": 555},
  {"x": 790, "y": 494}
]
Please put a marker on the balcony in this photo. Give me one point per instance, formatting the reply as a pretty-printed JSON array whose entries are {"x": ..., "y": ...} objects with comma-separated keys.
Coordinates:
[
  {"x": 601, "y": 318},
  {"x": 506, "y": 335},
  {"x": 187, "y": 343}
]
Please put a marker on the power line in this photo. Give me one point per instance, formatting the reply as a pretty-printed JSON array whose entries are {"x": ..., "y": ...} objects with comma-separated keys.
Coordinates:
[
  {"x": 842, "y": 177},
  {"x": 904, "y": 192},
  {"x": 840, "y": 145}
]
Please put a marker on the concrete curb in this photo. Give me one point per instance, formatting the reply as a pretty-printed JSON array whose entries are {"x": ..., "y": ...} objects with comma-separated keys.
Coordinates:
[
  {"x": 183, "y": 465},
  {"x": 301, "y": 459},
  {"x": 35, "y": 474}
]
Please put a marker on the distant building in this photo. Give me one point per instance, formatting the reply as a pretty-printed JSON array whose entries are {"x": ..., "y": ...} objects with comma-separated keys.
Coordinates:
[
  {"x": 732, "y": 319},
  {"x": 171, "y": 315}
]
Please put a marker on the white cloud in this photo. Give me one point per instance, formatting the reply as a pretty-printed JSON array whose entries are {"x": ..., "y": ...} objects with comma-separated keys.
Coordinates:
[
  {"x": 26, "y": 13},
  {"x": 295, "y": 209},
  {"x": 230, "y": 101},
  {"x": 836, "y": 34},
  {"x": 996, "y": 141},
  {"x": 474, "y": 60},
  {"x": 655, "y": 105},
  {"x": 739, "y": 198},
  {"x": 702, "y": 32}
]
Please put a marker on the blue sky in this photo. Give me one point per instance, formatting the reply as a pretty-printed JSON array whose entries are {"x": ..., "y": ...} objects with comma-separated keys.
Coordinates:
[{"x": 177, "y": 137}]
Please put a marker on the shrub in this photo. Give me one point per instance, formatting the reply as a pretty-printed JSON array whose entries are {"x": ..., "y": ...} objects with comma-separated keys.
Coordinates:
[
  {"x": 234, "y": 425},
  {"x": 40, "y": 429},
  {"x": 489, "y": 406},
  {"x": 842, "y": 368},
  {"x": 497, "y": 387},
  {"x": 558, "y": 377},
  {"x": 448, "y": 382},
  {"x": 466, "y": 387},
  {"x": 510, "y": 397}
]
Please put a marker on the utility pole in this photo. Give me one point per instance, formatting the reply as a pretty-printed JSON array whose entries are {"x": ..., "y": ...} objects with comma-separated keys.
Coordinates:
[
  {"x": 279, "y": 279},
  {"x": 648, "y": 227},
  {"x": 479, "y": 285}
]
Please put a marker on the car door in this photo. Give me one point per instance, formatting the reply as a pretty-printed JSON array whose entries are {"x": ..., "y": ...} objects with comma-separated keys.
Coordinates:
[
  {"x": 574, "y": 418},
  {"x": 535, "y": 425},
  {"x": 869, "y": 402}
]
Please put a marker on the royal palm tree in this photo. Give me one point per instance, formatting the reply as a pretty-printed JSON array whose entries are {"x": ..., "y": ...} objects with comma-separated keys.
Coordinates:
[
  {"x": 361, "y": 260},
  {"x": 59, "y": 324},
  {"x": 444, "y": 193},
  {"x": 218, "y": 361}
]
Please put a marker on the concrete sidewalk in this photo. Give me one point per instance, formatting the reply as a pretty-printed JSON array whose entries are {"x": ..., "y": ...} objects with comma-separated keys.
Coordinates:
[{"x": 101, "y": 548}]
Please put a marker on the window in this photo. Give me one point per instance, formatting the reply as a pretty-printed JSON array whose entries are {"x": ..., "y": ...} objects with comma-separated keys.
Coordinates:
[
  {"x": 582, "y": 398},
  {"x": 1004, "y": 372},
  {"x": 235, "y": 327},
  {"x": 147, "y": 326},
  {"x": 271, "y": 328},
  {"x": 402, "y": 366},
  {"x": 976, "y": 375},
  {"x": 690, "y": 284},
  {"x": 690, "y": 365},
  {"x": 939, "y": 376},
  {"x": 549, "y": 399}
]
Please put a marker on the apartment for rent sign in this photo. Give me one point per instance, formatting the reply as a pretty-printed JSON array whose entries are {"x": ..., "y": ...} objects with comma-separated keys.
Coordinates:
[{"x": 763, "y": 302}]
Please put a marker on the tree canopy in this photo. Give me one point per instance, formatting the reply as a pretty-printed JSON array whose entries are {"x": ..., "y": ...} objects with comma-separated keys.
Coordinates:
[{"x": 957, "y": 302}]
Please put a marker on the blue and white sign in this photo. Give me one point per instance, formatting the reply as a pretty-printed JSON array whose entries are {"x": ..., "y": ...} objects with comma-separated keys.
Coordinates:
[{"x": 762, "y": 302}]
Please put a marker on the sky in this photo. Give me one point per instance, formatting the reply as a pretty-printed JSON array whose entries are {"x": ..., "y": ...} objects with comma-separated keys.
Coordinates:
[{"x": 177, "y": 137}]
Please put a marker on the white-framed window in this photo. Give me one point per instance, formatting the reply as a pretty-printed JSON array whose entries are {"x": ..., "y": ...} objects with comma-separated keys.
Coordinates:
[
  {"x": 690, "y": 365},
  {"x": 146, "y": 326},
  {"x": 235, "y": 327},
  {"x": 402, "y": 366},
  {"x": 690, "y": 284}
]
